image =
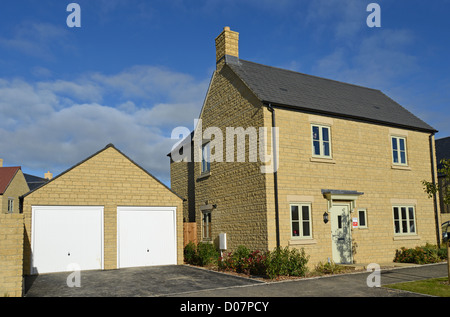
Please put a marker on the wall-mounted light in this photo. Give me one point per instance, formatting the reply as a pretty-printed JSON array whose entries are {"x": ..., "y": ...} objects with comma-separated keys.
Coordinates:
[{"x": 325, "y": 217}]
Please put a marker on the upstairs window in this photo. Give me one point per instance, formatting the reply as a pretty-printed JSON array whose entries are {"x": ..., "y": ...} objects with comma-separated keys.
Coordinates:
[
  {"x": 321, "y": 141},
  {"x": 206, "y": 158},
  {"x": 10, "y": 205},
  {"x": 399, "y": 156}
]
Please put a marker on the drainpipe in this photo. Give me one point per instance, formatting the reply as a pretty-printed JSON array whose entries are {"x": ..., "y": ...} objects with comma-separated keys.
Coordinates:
[
  {"x": 275, "y": 176},
  {"x": 433, "y": 179}
]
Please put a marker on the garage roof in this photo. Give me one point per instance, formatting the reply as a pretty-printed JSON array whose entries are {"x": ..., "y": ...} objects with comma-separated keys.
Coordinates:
[{"x": 108, "y": 146}]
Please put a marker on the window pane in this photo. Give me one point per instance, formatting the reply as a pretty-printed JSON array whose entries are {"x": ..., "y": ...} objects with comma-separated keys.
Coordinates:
[
  {"x": 411, "y": 213},
  {"x": 403, "y": 157},
  {"x": 403, "y": 213},
  {"x": 305, "y": 213},
  {"x": 315, "y": 133},
  {"x": 325, "y": 134},
  {"x": 206, "y": 158},
  {"x": 362, "y": 218},
  {"x": 396, "y": 213},
  {"x": 294, "y": 212},
  {"x": 326, "y": 148},
  {"x": 295, "y": 229},
  {"x": 412, "y": 227},
  {"x": 395, "y": 156},
  {"x": 316, "y": 147},
  {"x": 404, "y": 226},
  {"x": 397, "y": 226},
  {"x": 306, "y": 232},
  {"x": 402, "y": 144},
  {"x": 339, "y": 218},
  {"x": 394, "y": 144}
]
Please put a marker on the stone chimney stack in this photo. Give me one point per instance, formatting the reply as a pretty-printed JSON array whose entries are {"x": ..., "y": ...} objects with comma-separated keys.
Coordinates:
[
  {"x": 227, "y": 45},
  {"x": 48, "y": 175}
]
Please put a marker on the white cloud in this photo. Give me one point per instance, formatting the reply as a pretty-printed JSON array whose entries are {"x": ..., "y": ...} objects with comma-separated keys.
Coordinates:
[{"x": 51, "y": 125}]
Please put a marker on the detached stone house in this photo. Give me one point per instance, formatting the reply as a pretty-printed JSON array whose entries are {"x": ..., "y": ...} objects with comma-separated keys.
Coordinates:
[
  {"x": 346, "y": 181},
  {"x": 12, "y": 186}
]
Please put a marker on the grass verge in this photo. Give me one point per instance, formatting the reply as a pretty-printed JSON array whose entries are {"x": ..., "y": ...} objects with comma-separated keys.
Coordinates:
[{"x": 435, "y": 287}]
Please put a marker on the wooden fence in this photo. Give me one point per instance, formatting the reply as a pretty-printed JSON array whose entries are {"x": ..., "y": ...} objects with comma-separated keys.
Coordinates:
[{"x": 189, "y": 232}]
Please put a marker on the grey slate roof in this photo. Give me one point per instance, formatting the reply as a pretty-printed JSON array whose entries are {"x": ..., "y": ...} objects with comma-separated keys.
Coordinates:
[{"x": 282, "y": 87}]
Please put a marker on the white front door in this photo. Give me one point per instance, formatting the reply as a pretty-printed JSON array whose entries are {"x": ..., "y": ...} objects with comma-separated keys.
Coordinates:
[
  {"x": 341, "y": 234},
  {"x": 146, "y": 236},
  {"x": 65, "y": 238}
]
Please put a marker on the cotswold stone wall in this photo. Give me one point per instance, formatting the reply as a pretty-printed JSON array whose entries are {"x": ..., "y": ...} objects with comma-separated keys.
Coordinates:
[{"x": 11, "y": 255}]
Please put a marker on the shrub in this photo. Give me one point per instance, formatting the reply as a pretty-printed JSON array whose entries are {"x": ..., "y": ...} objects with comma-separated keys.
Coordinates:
[
  {"x": 203, "y": 254},
  {"x": 421, "y": 255},
  {"x": 190, "y": 253},
  {"x": 207, "y": 254},
  {"x": 285, "y": 262}
]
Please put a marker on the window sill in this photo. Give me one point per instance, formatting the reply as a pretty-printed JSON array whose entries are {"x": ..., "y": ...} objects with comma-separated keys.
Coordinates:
[
  {"x": 302, "y": 241},
  {"x": 204, "y": 175},
  {"x": 322, "y": 160},
  {"x": 406, "y": 237},
  {"x": 401, "y": 167}
]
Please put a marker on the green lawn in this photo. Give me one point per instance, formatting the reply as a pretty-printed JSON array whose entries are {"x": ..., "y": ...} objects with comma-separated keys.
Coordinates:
[{"x": 435, "y": 287}]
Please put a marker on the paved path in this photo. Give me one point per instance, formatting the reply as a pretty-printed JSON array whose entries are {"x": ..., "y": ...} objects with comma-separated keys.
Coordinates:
[{"x": 347, "y": 285}]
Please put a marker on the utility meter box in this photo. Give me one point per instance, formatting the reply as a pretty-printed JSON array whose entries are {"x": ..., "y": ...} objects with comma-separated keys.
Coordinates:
[{"x": 222, "y": 241}]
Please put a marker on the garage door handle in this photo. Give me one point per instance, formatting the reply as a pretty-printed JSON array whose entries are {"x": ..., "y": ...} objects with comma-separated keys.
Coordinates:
[
  {"x": 68, "y": 254},
  {"x": 147, "y": 250}
]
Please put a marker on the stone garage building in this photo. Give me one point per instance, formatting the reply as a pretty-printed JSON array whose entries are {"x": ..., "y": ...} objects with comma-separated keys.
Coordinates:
[{"x": 106, "y": 212}]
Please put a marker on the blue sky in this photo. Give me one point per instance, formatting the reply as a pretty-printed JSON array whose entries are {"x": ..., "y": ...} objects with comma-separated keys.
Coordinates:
[{"x": 137, "y": 69}]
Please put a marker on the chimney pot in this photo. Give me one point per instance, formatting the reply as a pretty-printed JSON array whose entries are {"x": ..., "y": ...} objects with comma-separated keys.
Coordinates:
[{"x": 1, "y": 162}]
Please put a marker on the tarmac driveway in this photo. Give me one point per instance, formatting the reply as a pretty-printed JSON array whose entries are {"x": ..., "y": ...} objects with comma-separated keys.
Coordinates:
[
  {"x": 185, "y": 281},
  {"x": 132, "y": 282}
]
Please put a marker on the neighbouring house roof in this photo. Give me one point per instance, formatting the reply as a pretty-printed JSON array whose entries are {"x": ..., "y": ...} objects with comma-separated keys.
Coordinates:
[
  {"x": 299, "y": 91},
  {"x": 34, "y": 181},
  {"x": 442, "y": 150},
  {"x": 6, "y": 176}
]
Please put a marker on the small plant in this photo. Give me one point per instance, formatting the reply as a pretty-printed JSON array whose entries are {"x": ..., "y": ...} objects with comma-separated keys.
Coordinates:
[{"x": 328, "y": 268}]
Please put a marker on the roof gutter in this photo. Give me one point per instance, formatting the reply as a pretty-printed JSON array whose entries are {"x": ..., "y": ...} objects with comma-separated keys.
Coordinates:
[
  {"x": 352, "y": 117},
  {"x": 275, "y": 176},
  {"x": 433, "y": 179}
]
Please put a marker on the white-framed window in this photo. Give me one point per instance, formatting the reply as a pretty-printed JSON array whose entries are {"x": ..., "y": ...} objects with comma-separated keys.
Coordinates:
[
  {"x": 301, "y": 221},
  {"x": 206, "y": 158},
  {"x": 321, "y": 141},
  {"x": 399, "y": 155},
  {"x": 206, "y": 225},
  {"x": 10, "y": 205},
  {"x": 404, "y": 220},
  {"x": 362, "y": 216}
]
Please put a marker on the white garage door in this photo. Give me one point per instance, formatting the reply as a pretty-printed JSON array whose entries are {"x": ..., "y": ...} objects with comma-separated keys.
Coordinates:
[
  {"x": 66, "y": 238},
  {"x": 146, "y": 236}
]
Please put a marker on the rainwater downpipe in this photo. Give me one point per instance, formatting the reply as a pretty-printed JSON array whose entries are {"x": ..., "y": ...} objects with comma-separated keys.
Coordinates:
[
  {"x": 275, "y": 174},
  {"x": 433, "y": 179}
]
